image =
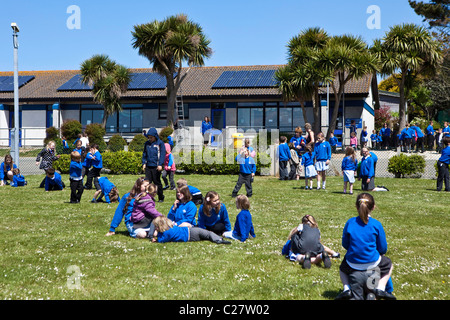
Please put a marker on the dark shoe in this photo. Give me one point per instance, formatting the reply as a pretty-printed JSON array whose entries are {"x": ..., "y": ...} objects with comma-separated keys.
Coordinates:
[
  {"x": 161, "y": 200},
  {"x": 380, "y": 294},
  {"x": 344, "y": 295},
  {"x": 234, "y": 195},
  {"x": 307, "y": 261},
  {"x": 223, "y": 242},
  {"x": 166, "y": 187},
  {"x": 173, "y": 188},
  {"x": 326, "y": 260}
]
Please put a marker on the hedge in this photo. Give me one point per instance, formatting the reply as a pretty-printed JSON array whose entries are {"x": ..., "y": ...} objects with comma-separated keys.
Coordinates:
[{"x": 130, "y": 162}]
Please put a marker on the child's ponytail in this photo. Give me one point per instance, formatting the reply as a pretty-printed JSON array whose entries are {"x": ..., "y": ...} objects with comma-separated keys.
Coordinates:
[{"x": 365, "y": 204}]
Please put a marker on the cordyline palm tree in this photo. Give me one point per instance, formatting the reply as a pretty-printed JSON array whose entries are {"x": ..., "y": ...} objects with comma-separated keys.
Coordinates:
[
  {"x": 408, "y": 50},
  {"x": 109, "y": 81},
  {"x": 167, "y": 44},
  {"x": 304, "y": 69},
  {"x": 348, "y": 58}
]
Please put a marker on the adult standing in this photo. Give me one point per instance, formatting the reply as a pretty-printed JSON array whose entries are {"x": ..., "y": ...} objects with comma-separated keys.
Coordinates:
[
  {"x": 153, "y": 160},
  {"x": 309, "y": 139},
  {"x": 206, "y": 126},
  {"x": 430, "y": 136},
  {"x": 386, "y": 136}
]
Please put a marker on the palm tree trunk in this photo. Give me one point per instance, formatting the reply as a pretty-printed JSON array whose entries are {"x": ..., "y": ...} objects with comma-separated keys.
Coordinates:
[
  {"x": 171, "y": 98},
  {"x": 402, "y": 106},
  {"x": 316, "y": 110},
  {"x": 305, "y": 114},
  {"x": 376, "y": 96}
]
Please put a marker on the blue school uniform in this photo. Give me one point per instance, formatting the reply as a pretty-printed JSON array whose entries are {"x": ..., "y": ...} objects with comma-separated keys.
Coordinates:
[
  {"x": 323, "y": 151},
  {"x": 185, "y": 212},
  {"x": 5, "y": 168},
  {"x": 308, "y": 159},
  {"x": 297, "y": 141},
  {"x": 106, "y": 186},
  {"x": 374, "y": 138},
  {"x": 418, "y": 131},
  {"x": 349, "y": 164},
  {"x": 243, "y": 227},
  {"x": 284, "y": 154},
  {"x": 98, "y": 161},
  {"x": 247, "y": 165},
  {"x": 18, "y": 181},
  {"x": 430, "y": 130},
  {"x": 367, "y": 167},
  {"x": 119, "y": 215},
  {"x": 75, "y": 170},
  {"x": 174, "y": 234},
  {"x": 56, "y": 182},
  {"x": 215, "y": 217},
  {"x": 333, "y": 141}
]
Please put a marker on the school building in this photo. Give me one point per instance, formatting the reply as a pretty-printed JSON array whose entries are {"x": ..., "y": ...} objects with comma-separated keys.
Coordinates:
[{"x": 239, "y": 97}]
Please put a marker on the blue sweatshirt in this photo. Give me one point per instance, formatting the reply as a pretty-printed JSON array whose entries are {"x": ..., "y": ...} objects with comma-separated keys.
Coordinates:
[
  {"x": 194, "y": 191},
  {"x": 106, "y": 187},
  {"x": 174, "y": 234},
  {"x": 18, "y": 181},
  {"x": 418, "y": 131},
  {"x": 364, "y": 242},
  {"x": 374, "y": 137},
  {"x": 367, "y": 169},
  {"x": 98, "y": 161},
  {"x": 445, "y": 155},
  {"x": 214, "y": 218},
  {"x": 445, "y": 131},
  {"x": 87, "y": 161},
  {"x": 119, "y": 214},
  {"x": 323, "y": 151},
  {"x": 75, "y": 170},
  {"x": 247, "y": 165},
  {"x": 5, "y": 168},
  {"x": 284, "y": 154},
  {"x": 308, "y": 159},
  {"x": 243, "y": 227},
  {"x": 349, "y": 164},
  {"x": 297, "y": 141},
  {"x": 154, "y": 152},
  {"x": 333, "y": 141},
  {"x": 430, "y": 130},
  {"x": 185, "y": 212},
  {"x": 56, "y": 181}
]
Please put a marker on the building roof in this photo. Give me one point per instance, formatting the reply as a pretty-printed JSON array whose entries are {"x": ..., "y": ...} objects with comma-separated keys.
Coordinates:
[{"x": 197, "y": 84}]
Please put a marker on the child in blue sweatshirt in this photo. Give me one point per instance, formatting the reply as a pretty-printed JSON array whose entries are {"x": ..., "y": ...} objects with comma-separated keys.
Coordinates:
[
  {"x": 333, "y": 143},
  {"x": 308, "y": 163},
  {"x": 76, "y": 177},
  {"x": 442, "y": 164},
  {"x": 365, "y": 241},
  {"x": 18, "y": 179},
  {"x": 349, "y": 167},
  {"x": 96, "y": 162},
  {"x": 105, "y": 188},
  {"x": 213, "y": 215},
  {"x": 367, "y": 171},
  {"x": 243, "y": 227},
  {"x": 284, "y": 155},
  {"x": 322, "y": 149},
  {"x": 247, "y": 170},
  {"x": 53, "y": 180},
  {"x": 183, "y": 211},
  {"x": 167, "y": 231},
  {"x": 374, "y": 139}
]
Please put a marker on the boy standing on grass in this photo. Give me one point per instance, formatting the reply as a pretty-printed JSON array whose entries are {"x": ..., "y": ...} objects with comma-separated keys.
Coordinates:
[
  {"x": 284, "y": 155},
  {"x": 247, "y": 170},
  {"x": 323, "y": 157},
  {"x": 76, "y": 177},
  {"x": 442, "y": 164}
]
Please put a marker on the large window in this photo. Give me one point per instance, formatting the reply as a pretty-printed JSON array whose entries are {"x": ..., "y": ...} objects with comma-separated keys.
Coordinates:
[
  {"x": 162, "y": 113},
  {"x": 129, "y": 120}
]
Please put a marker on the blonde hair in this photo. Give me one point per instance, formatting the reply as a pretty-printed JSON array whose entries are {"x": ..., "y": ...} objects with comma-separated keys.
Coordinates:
[
  {"x": 365, "y": 203},
  {"x": 162, "y": 223},
  {"x": 242, "y": 202},
  {"x": 114, "y": 195},
  {"x": 75, "y": 156},
  {"x": 308, "y": 219},
  {"x": 181, "y": 182},
  {"x": 298, "y": 130}
]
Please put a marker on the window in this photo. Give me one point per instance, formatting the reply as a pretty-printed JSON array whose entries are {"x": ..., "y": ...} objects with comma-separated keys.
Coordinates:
[
  {"x": 162, "y": 112},
  {"x": 271, "y": 118},
  {"x": 129, "y": 120}
]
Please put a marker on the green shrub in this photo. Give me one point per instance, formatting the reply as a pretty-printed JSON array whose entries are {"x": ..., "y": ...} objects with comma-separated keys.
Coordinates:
[
  {"x": 51, "y": 134},
  {"x": 164, "y": 133},
  {"x": 62, "y": 164},
  {"x": 71, "y": 129},
  {"x": 137, "y": 144},
  {"x": 116, "y": 143},
  {"x": 403, "y": 165},
  {"x": 96, "y": 132},
  {"x": 123, "y": 162}
]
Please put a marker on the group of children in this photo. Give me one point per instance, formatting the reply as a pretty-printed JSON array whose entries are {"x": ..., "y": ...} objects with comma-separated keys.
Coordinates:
[{"x": 183, "y": 222}]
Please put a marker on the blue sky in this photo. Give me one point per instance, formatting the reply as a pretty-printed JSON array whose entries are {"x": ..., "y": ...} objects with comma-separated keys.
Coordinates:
[{"x": 244, "y": 32}]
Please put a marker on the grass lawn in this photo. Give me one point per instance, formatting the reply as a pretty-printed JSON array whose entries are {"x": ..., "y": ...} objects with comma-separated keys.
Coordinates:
[{"x": 43, "y": 236}]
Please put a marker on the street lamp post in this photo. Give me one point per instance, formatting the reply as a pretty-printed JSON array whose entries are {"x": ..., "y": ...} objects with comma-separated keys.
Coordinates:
[{"x": 15, "y": 145}]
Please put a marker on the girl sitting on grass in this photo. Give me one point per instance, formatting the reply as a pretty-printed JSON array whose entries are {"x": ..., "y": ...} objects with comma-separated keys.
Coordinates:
[
  {"x": 183, "y": 210},
  {"x": 213, "y": 215},
  {"x": 243, "y": 227},
  {"x": 144, "y": 211},
  {"x": 167, "y": 231}
]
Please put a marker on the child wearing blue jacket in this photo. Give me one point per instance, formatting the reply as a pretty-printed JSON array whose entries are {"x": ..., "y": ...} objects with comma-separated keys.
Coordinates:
[
  {"x": 6, "y": 170},
  {"x": 374, "y": 139},
  {"x": 367, "y": 171},
  {"x": 349, "y": 167},
  {"x": 308, "y": 163},
  {"x": 213, "y": 215},
  {"x": 105, "y": 188},
  {"x": 76, "y": 177},
  {"x": 284, "y": 155},
  {"x": 333, "y": 142},
  {"x": 18, "y": 179},
  {"x": 53, "y": 180},
  {"x": 96, "y": 162},
  {"x": 167, "y": 231},
  {"x": 243, "y": 226},
  {"x": 407, "y": 135},
  {"x": 197, "y": 196},
  {"x": 365, "y": 241},
  {"x": 442, "y": 164},
  {"x": 323, "y": 156},
  {"x": 183, "y": 211},
  {"x": 247, "y": 170}
]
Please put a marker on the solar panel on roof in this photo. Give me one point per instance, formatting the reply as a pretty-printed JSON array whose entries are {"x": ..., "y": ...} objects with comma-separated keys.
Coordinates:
[
  {"x": 246, "y": 79},
  {"x": 7, "y": 82}
]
